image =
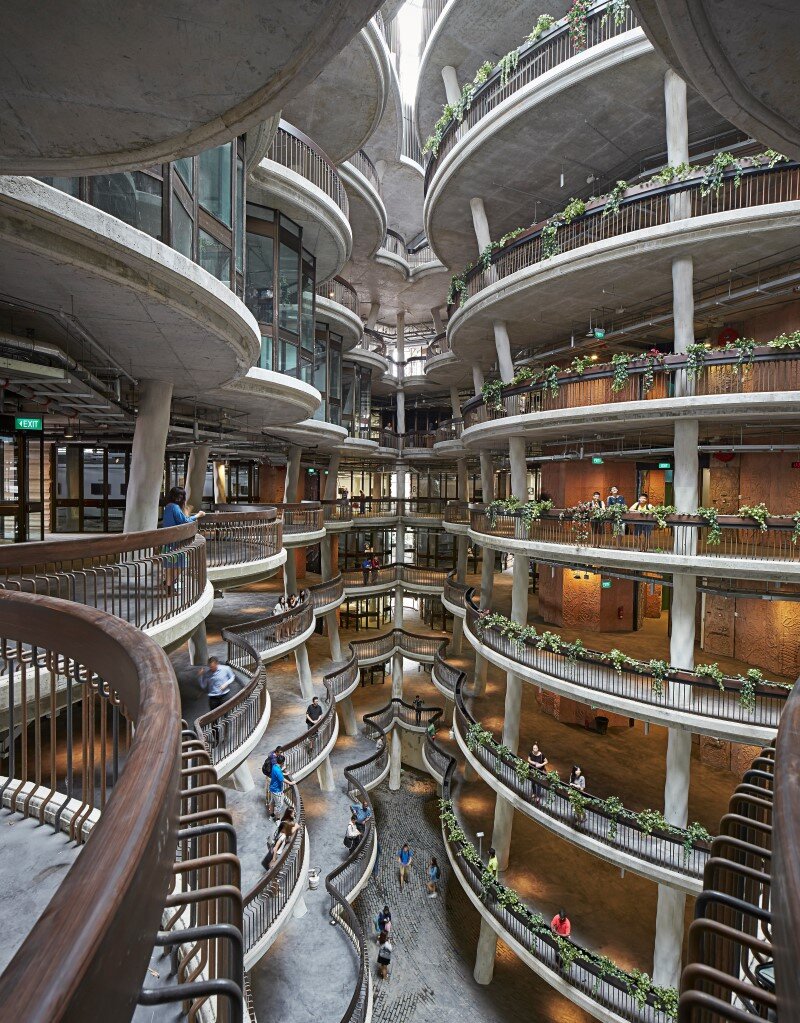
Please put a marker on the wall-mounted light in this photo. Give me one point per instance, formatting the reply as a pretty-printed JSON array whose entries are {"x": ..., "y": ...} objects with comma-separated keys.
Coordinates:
[{"x": 576, "y": 575}]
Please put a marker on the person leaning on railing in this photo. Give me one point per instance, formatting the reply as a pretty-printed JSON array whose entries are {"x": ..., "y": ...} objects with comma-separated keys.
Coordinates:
[{"x": 175, "y": 515}]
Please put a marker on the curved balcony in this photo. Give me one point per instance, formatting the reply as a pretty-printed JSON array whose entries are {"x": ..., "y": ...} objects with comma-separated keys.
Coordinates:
[
  {"x": 186, "y": 327},
  {"x": 303, "y": 523},
  {"x": 454, "y": 595},
  {"x": 207, "y": 80},
  {"x": 337, "y": 515},
  {"x": 242, "y": 546},
  {"x": 270, "y": 638},
  {"x": 392, "y": 252},
  {"x": 661, "y": 856},
  {"x": 343, "y": 681},
  {"x": 363, "y": 582},
  {"x": 561, "y": 272},
  {"x": 422, "y": 510},
  {"x": 126, "y": 791},
  {"x": 338, "y": 306},
  {"x": 681, "y": 699},
  {"x": 456, "y": 517},
  {"x": 328, "y": 595},
  {"x": 447, "y": 439},
  {"x": 686, "y": 544},
  {"x": 298, "y": 178},
  {"x": 268, "y": 905},
  {"x": 767, "y": 385},
  {"x": 122, "y": 574},
  {"x": 414, "y": 646},
  {"x": 368, "y": 216},
  {"x": 608, "y": 996},
  {"x": 371, "y": 352}
]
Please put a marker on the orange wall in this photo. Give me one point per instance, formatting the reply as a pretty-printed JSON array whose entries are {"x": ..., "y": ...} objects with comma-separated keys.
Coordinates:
[
  {"x": 751, "y": 478},
  {"x": 569, "y": 483}
]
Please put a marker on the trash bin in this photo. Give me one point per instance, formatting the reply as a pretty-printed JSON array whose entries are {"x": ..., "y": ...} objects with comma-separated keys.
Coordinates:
[{"x": 601, "y": 724}]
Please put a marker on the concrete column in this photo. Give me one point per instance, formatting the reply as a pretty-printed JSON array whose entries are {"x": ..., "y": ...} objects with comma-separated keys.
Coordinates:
[
  {"x": 502, "y": 344},
  {"x": 147, "y": 456},
  {"x": 462, "y": 546},
  {"x": 220, "y": 484},
  {"x": 198, "y": 645},
  {"x": 484, "y": 957},
  {"x": 487, "y": 477},
  {"x": 398, "y": 618},
  {"x": 463, "y": 480},
  {"x": 292, "y": 475},
  {"x": 325, "y": 776},
  {"x": 480, "y": 223},
  {"x": 683, "y": 317},
  {"x": 196, "y": 475},
  {"x": 304, "y": 672},
  {"x": 325, "y": 557},
  {"x": 395, "y": 761},
  {"x": 519, "y": 468},
  {"x": 300, "y": 908},
  {"x": 451, "y": 86},
  {"x": 372, "y": 316},
  {"x": 438, "y": 323},
  {"x": 457, "y": 640},
  {"x": 455, "y": 402},
  {"x": 677, "y": 125},
  {"x": 242, "y": 779},
  {"x": 401, "y": 410},
  {"x": 397, "y": 676},
  {"x": 330, "y": 491},
  {"x": 477, "y": 378},
  {"x": 332, "y": 623},
  {"x": 400, "y": 538},
  {"x": 347, "y": 716},
  {"x": 290, "y": 572}
]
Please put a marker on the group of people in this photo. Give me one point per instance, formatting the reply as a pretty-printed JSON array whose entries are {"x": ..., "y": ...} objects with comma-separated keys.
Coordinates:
[
  {"x": 289, "y": 602},
  {"x": 360, "y": 813},
  {"x": 642, "y": 506},
  {"x": 383, "y": 921},
  {"x": 369, "y": 566},
  {"x": 539, "y": 762}
]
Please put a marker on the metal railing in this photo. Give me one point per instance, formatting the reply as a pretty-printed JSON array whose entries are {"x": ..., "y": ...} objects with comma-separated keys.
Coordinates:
[
  {"x": 337, "y": 511},
  {"x": 535, "y": 59},
  {"x": 340, "y": 291},
  {"x": 424, "y": 254},
  {"x": 110, "y": 761},
  {"x": 394, "y": 574},
  {"x": 449, "y": 429},
  {"x": 457, "y": 512},
  {"x": 343, "y": 678},
  {"x": 144, "y": 578},
  {"x": 240, "y": 537},
  {"x": 413, "y": 645},
  {"x": 438, "y": 346},
  {"x": 263, "y": 635},
  {"x": 307, "y": 517},
  {"x": 373, "y": 341},
  {"x": 683, "y": 535},
  {"x": 768, "y": 370},
  {"x": 678, "y": 691},
  {"x": 293, "y": 149},
  {"x": 642, "y": 207},
  {"x": 365, "y": 166},
  {"x": 431, "y": 12},
  {"x": 327, "y": 594},
  {"x": 395, "y": 243},
  {"x": 455, "y": 591}
]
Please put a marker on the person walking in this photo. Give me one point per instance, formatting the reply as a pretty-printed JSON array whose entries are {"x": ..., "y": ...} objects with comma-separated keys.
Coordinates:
[
  {"x": 175, "y": 515},
  {"x": 434, "y": 874},
  {"x": 405, "y": 860},
  {"x": 417, "y": 710},
  {"x": 492, "y": 864},
  {"x": 277, "y": 781},
  {"x": 313, "y": 712},
  {"x": 385, "y": 949},
  {"x": 216, "y": 680},
  {"x": 383, "y": 921}
]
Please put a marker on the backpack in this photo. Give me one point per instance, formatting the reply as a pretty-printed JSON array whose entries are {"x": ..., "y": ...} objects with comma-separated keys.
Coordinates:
[{"x": 366, "y": 563}]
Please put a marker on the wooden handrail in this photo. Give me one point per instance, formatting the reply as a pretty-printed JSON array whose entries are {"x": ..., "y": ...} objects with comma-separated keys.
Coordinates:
[
  {"x": 786, "y": 866},
  {"x": 78, "y": 548}
]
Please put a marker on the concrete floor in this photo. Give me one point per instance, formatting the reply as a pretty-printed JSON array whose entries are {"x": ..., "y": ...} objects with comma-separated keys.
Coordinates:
[{"x": 432, "y": 976}]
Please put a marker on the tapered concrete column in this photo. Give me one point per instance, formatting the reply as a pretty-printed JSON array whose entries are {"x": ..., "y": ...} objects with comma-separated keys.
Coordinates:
[
  {"x": 457, "y": 639},
  {"x": 332, "y": 624},
  {"x": 147, "y": 456},
  {"x": 438, "y": 323},
  {"x": 451, "y": 87},
  {"x": 196, "y": 475},
  {"x": 220, "y": 483},
  {"x": 480, "y": 223},
  {"x": 463, "y": 480},
  {"x": 487, "y": 566},
  {"x": 399, "y": 535},
  {"x": 372, "y": 316},
  {"x": 677, "y": 125},
  {"x": 502, "y": 343},
  {"x": 487, "y": 476},
  {"x": 395, "y": 761},
  {"x": 400, "y": 399},
  {"x": 330, "y": 491},
  {"x": 484, "y": 957},
  {"x": 198, "y": 645},
  {"x": 519, "y": 468},
  {"x": 304, "y": 672},
  {"x": 455, "y": 402},
  {"x": 292, "y": 475},
  {"x": 326, "y": 568},
  {"x": 478, "y": 379},
  {"x": 398, "y": 617},
  {"x": 325, "y": 776},
  {"x": 290, "y": 573},
  {"x": 456, "y": 644},
  {"x": 242, "y": 779},
  {"x": 347, "y": 716},
  {"x": 397, "y": 676}
]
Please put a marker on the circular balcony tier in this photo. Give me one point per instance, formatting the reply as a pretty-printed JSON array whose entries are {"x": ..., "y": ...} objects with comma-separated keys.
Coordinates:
[
  {"x": 367, "y": 213},
  {"x": 338, "y": 307},
  {"x": 467, "y": 33},
  {"x": 174, "y": 78},
  {"x": 360, "y": 583},
  {"x": 242, "y": 547},
  {"x": 123, "y": 287},
  {"x": 765, "y": 388},
  {"x": 313, "y": 434},
  {"x": 342, "y": 107},
  {"x": 399, "y": 280},
  {"x": 744, "y": 67},
  {"x": 267, "y": 398},
  {"x": 559, "y": 109},
  {"x": 368, "y": 358},
  {"x": 628, "y": 254},
  {"x": 298, "y": 179}
]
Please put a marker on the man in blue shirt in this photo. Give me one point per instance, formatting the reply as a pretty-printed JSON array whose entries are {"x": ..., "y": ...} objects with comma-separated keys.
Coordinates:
[
  {"x": 216, "y": 679},
  {"x": 362, "y": 814},
  {"x": 276, "y": 783},
  {"x": 405, "y": 857}
]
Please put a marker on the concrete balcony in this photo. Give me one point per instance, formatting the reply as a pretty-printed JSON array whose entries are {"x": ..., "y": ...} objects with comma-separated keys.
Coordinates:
[
  {"x": 368, "y": 217},
  {"x": 364, "y": 582},
  {"x": 242, "y": 546},
  {"x": 337, "y": 305}
]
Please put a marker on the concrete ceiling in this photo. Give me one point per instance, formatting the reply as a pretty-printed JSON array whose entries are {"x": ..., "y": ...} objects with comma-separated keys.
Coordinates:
[
  {"x": 96, "y": 86},
  {"x": 741, "y": 56}
]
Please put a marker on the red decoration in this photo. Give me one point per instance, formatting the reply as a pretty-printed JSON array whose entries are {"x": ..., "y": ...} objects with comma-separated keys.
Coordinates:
[
  {"x": 724, "y": 456},
  {"x": 728, "y": 335}
]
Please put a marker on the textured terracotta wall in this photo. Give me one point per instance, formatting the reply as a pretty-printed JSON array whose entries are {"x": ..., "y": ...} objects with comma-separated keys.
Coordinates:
[
  {"x": 551, "y": 591},
  {"x": 724, "y": 485},
  {"x": 271, "y": 482},
  {"x": 764, "y": 326},
  {"x": 581, "y": 602},
  {"x": 616, "y": 606},
  {"x": 568, "y": 483},
  {"x": 719, "y": 625},
  {"x": 762, "y": 633}
]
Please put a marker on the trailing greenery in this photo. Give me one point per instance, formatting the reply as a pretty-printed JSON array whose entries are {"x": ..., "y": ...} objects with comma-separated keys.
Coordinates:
[
  {"x": 637, "y": 984},
  {"x": 660, "y": 671},
  {"x": 614, "y": 198},
  {"x": 529, "y": 511},
  {"x": 710, "y": 517},
  {"x": 577, "y": 17},
  {"x": 617, "y": 9},
  {"x": 507, "y": 66},
  {"x": 543, "y": 23}
]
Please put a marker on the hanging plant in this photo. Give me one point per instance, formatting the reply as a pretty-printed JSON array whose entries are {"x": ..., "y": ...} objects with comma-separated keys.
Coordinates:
[
  {"x": 796, "y": 529},
  {"x": 649, "y": 820},
  {"x": 458, "y": 287},
  {"x": 577, "y": 19},
  {"x": 549, "y": 380},
  {"x": 713, "y": 173},
  {"x": 615, "y": 515},
  {"x": 508, "y": 65},
  {"x": 492, "y": 394},
  {"x": 786, "y": 341},
  {"x": 660, "y": 671},
  {"x": 759, "y": 513},
  {"x": 616, "y": 10},
  {"x": 618, "y": 660},
  {"x": 747, "y": 691},
  {"x": 694, "y": 834},
  {"x": 543, "y": 23},
  {"x": 695, "y": 359},
  {"x": 580, "y": 363},
  {"x": 654, "y": 360},
  {"x": 578, "y": 802},
  {"x": 575, "y": 208},
  {"x": 709, "y": 516},
  {"x": 612, "y": 807},
  {"x": 621, "y": 366},
  {"x": 548, "y": 238},
  {"x": 579, "y": 516},
  {"x": 661, "y": 513},
  {"x": 712, "y": 671},
  {"x": 611, "y": 207}
]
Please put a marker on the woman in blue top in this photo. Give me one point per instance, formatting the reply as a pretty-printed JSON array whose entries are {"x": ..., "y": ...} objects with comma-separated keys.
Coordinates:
[{"x": 175, "y": 515}]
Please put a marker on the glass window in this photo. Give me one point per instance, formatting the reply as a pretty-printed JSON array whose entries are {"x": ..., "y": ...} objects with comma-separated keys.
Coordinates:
[
  {"x": 289, "y": 281},
  {"x": 266, "y": 360},
  {"x": 214, "y": 257},
  {"x": 307, "y": 324},
  {"x": 335, "y": 383},
  {"x": 72, "y": 186},
  {"x": 133, "y": 197},
  {"x": 321, "y": 413},
  {"x": 260, "y": 274},
  {"x": 305, "y": 370},
  {"x": 239, "y": 240},
  {"x": 185, "y": 168},
  {"x": 215, "y": 182},
  {"x": 181, "y": 228},
  {"x": 287, "y": 361},
  {"x": 321, "y": 366}
]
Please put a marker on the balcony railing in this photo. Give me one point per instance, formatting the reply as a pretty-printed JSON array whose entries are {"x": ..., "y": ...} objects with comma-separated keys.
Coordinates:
[
  {"x": 125, "y": 574},
  {"x": 395, "y": 243},
  {"x": 328, "y": 594},
  {"x": 337, "y": 511},
  {"x": 454, "y": 591},
  {"x": 295, "y": 150},
  {"x": 263, "y": 635},
  {"x": 683, "y": 535},
  {"x": 643, "y": 206},
  {"x": 344, "y": 678},
  {"x": 431, "y": 12},
  {"x": 113, "y": 768},
  {"x": 535, "y": 59},
  {"x": 679, "y": 691},
  {"x": 395, "y": 574},
  {"x": 340, "y": 291},
  {"x": 373, "y": 342},
  {"x": 450, "y": 429},
  {"x": 362, "y": 163},
  {"x": 307, "y": 517},
  {"x": 412, "y": 645},
  {"x": 424, "y": 254},
  {"x": 240, "y": 537},
  {"x": 768, "y": 371},
  {"x": 457, "y": 512},
  {"x": 438, "y": 346}
]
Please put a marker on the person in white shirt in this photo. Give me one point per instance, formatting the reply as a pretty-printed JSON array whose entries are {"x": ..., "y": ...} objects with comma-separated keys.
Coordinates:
[{"x": 216, "y": 679}]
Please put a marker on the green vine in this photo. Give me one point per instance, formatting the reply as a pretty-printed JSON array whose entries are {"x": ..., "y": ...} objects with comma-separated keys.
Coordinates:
[
  {"x": 758, "y": 513},
  {"x": 617, "y": 9},
  {"x": 508, "y": 65},
  {"x": 695, "y": 359},
  {"x": 543, "y": 23},
  {"x": 621, "y": 369},
  {"x": 711, "y": 519},
  {"x": 611, "y": 207},
  {"x": 577, "y": 17}
]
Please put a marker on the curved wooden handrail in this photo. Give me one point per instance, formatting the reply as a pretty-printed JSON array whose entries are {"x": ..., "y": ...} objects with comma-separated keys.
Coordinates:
[
  {"x": 341, "y": 291},
  {"x": 91, "y": 948},
  {"x": 327, "y": 179},
  {"x": 786, "y": 867},
  {"x": 38, "y": 552}
]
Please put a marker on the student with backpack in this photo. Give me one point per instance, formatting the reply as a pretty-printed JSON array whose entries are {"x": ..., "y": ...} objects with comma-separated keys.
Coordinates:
[{"x": 383, "y": 921}]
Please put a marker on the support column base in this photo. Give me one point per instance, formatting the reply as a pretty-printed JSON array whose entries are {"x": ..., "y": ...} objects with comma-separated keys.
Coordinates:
[
  {"x": 347, "y": 716},
  {"x": 325, "y": 777},
  {"x": 300, "y": 908},
  {"x": 484, "y": 957},
  {"x": 242, "y": 778}
]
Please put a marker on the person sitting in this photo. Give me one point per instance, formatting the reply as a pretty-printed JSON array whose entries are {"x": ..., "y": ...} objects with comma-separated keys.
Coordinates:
[
  {"x": 288, "y": 827},
  {"x": 362, "y": 813},
  {"x": 352, "y": 835}
]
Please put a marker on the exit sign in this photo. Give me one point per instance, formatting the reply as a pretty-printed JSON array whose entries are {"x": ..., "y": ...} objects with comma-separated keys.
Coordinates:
[
  {"x": 599, "y": 333},
  {"x": 605, "y": 584},
  {"x": 668, "y": 465},
  {"x": 27, "y": 422},
  {"x": 597, "y": 460}
]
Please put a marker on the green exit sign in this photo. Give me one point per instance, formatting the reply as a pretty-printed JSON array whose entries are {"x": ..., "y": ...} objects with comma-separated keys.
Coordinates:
[
  {"x": 605, "y": 584},
  {"x": 597, "y": 460},
  {"x": 665, "y": 465},
  {"x": 27, "y": 422},
  {"x": 599, "y": 333}
]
